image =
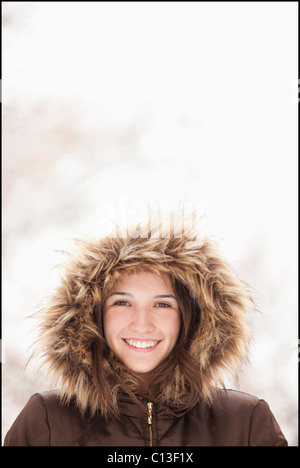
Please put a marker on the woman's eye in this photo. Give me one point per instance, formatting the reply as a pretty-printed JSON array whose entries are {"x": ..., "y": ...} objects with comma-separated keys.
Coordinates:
[
  {"x": 121, "y": 303},
  {"x": 162, "y": 304}
]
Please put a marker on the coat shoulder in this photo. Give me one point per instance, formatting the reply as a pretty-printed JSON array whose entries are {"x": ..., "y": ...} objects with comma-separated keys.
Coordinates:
[
  {"x": 66, "y": 422},
  {"x": 31, "y": 427},
  {"x": 236, "y": 399},
  {"x": 45, "y": 421},
  {"x": 248, "y": 415}
]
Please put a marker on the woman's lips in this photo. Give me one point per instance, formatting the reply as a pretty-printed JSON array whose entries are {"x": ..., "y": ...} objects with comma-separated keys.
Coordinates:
[{"x": 141, "y": 345}]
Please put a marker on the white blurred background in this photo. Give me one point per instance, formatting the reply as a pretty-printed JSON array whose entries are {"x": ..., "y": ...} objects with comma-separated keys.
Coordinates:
[{"x": 106, "y": 104}]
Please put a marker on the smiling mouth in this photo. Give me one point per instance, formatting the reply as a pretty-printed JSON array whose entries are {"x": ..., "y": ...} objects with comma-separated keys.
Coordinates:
[{"x": 137, "y": 344}]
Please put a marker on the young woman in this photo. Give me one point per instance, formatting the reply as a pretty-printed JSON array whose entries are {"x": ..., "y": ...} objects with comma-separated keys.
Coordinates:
[{"x": 137, "y": 338}]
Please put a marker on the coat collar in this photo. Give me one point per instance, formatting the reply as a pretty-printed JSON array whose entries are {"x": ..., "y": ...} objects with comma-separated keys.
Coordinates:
[{"x": 129, "y": 407}]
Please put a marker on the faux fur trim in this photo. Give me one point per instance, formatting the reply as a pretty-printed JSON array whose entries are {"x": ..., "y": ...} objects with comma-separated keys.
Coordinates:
[{"x": 67, "y": 325}]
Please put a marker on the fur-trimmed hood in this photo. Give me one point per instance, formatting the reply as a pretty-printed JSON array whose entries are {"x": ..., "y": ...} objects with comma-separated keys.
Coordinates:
[{"x": 69, "y": 324}]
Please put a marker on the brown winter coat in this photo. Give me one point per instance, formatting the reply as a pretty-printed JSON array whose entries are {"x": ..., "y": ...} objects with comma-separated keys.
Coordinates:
[
  {"x": 235, "y": 419},
  {"x": 71, "y": 341}
]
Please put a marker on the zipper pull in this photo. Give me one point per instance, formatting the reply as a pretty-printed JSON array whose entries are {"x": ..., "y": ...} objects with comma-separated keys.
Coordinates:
[{"x": 150, "y": 407}]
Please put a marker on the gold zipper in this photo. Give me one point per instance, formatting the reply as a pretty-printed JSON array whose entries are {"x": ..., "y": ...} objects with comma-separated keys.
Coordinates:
[{"x": 149, "y": 407}]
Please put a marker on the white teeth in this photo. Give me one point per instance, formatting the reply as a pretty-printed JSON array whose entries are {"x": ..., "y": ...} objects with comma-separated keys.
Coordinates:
[{"x": 141, "y": 344}]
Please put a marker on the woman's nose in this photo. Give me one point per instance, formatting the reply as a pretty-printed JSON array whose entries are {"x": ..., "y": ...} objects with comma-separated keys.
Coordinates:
[{"x": 141, "y": 322}]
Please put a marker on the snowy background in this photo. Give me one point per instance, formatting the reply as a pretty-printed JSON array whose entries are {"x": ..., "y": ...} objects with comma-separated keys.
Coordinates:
[{"x": 107, "y": 106}]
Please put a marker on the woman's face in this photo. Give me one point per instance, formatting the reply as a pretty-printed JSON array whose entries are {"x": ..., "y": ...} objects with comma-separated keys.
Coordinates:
[{"x": 141, "y": 320}]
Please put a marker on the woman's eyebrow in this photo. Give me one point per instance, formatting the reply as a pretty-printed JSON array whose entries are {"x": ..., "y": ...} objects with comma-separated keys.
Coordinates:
[
  {"x": 162, "y": 296},
  {"x": 120, "y": 293}
]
